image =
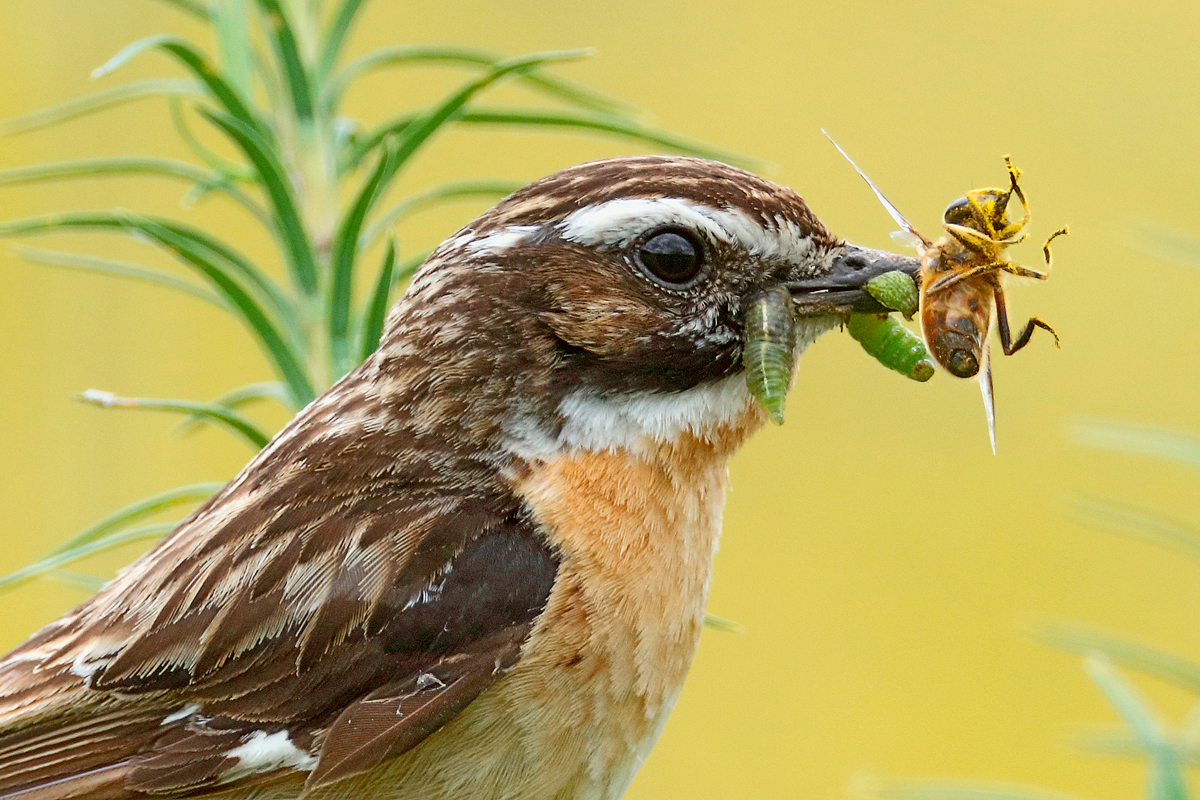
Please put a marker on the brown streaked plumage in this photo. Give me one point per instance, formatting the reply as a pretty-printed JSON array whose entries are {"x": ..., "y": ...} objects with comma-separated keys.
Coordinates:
[{"x": 475, "y": 568}]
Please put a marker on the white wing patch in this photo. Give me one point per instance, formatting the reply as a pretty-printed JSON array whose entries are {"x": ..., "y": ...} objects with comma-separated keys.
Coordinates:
[{"x": 263, "y": 752}]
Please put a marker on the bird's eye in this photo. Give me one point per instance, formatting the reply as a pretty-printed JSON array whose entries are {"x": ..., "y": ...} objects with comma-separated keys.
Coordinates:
[{"x": 673, "y": 257}]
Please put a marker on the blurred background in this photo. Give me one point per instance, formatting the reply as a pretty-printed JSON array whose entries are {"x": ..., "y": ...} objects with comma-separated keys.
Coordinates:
[{"x": 885, "y": 567}]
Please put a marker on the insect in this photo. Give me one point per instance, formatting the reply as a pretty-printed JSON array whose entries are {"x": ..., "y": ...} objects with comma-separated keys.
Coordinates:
[
  {"x": 962, "y": 279},
  {"x": 769, "y": 347}
]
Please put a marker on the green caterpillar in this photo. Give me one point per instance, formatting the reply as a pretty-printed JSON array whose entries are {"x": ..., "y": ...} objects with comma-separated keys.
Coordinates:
[
  {"x": 768, "y": 352},
  {"x": 896, "y": 291},
  {"x": 892, "y": 344}
]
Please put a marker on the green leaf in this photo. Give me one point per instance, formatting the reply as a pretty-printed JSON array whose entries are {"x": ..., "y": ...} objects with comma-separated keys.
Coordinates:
[
  {"x": 455, "y": 190},
  {"x": 1140, "y": 440},
  {"x": 190, "y": 57},
  {"x": 98, "y": 101},
  {"x": 868, "y": 786},
  {"x": 243, "y": 395},
  {"x": 20, "y": 577},
  {"x": 412, "y": 54},
  {"x": 188, "y": 7},
  {"x": 222, "y": 415},
  {"x": 1077, "y": 639},
  {"x": 88, "y": 583},
  {"x": 345, "y": 247},
  {"x": 232, "y": 35},
  {"x": 335, "y": 37},
  {"x": 217, "y": 163},
  {"x": 1148, "y": 527},
  {"x": 147, "y": 506},
  {"x": 283, "y": 357},
  {"x": 275, "y": 180},
  {"x": 289, "y": 53},
  {"x": 118, "y": 269},
  {"x": 377, "y": 306},
  {"x": 222, "y": 255},
  {"x": 1165, "y": 777},
  {"x": 424, "y": 126},
  {"x": 128, "y": 165}
]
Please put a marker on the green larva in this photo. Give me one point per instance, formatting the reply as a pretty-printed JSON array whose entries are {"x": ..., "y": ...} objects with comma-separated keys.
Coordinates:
[
  {"x": 892, "y": 344},
  {"x": 895, "y": 290},
  {"x": 768, "y": 352}
]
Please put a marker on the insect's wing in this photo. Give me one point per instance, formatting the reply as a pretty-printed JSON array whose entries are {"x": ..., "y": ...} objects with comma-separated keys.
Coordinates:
[
  {"x": 989, "y": 402},
  {"x": 900, "y": 219}
]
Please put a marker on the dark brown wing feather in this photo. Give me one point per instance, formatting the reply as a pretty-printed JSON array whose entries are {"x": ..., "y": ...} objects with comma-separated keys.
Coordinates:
[{"x": 331, "y": 581}]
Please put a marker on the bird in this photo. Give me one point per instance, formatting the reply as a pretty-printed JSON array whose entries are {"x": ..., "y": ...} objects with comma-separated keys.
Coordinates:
[{"x": 476, "y": 567}]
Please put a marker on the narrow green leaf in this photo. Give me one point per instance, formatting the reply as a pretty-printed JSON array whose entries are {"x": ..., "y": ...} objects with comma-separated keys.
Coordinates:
[
  {"x": 455, "y": 55},
  {"x": 77, "y": 580},
  {"x": 604, "y": 123},
  {"x": 1118, "y": 743},
  {"x": 345, "y": 248},
  {"x": 190, "y": 57},
  {"x": 118, "y": 269},
  {"x": 289, "y": 53},
  {"x": 282, "y": 354},
  {"x": 335, "y": 37},
  {"x": 222, "y": 415},
  {"x": 1139, "y": 440},
  {"x": 188, "y": 7},
  {"x": 410, "y": 266},
  {"x": 98, "y": 101},
  {"x": 377, "y": 306},
  {"x": 232, "y": 35},
  {"x": 211, "y": 247},
  {"x": 455, "y": 190},
  {"x": 867, "y": 786},
  {"x": 19, "y": 578},
  {"x": 1164, "y": 778},
  {"x": 128, "y": 165},
  {"x": 1077, "y": 639},
  {"x": 431, "y": 120},
  {"x": 275, "y": 180},
  {"x": 243, "y": 395},
  {"x": 147, "y": 506},
  {"x": 1142, "y": 525},
  {"x": 217, "y": 163}
]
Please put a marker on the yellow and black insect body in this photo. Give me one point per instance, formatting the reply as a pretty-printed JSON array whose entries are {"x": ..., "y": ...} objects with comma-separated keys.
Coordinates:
[
  {"x": 768, "y": 353},
  {"x": 896, "y": 347}
]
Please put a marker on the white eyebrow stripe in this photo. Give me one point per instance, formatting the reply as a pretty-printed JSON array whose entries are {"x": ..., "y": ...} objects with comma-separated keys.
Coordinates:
[{"x": 620, "y": 222}]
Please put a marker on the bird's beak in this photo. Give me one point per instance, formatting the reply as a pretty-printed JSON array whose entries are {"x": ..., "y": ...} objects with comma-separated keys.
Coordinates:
[{"x": 840, "y": 291}]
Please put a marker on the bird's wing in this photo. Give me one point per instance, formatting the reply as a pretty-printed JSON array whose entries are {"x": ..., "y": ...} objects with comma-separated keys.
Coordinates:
[{"x": 307, "y": 642}]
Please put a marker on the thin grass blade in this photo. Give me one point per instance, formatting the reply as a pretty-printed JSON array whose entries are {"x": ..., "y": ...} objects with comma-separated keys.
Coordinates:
[
  {"x": 410, "y": 266},
  {"x": 1164, "y": 780},
  {"x": 1118, "y": 743},
  {"x": 454, "y": 55},
  {"x": 869, "y": 786},
  {"x": 232, "y": 36},
  {"x": 191, "y": 7},
  {"x": 335, "y": 37},
  {"x": 236, "y": 171},
  {"x": 1139, "y": 440},
  {"x": 118, "y": 269},
  {"x": 455, "y": 190},
  {"x": 274, "y": 179},
  {"x": 17, "y": 579},
  {"x": 1167, "y": 244},
  {"x": 345, "y": 248},
  {"x": 1080, "y": 640},
  {"x": 77, "y": 580},
  {"x": 1148, "y": 527},
  {"x": 241, "y": 396},
  {"x": 222, "y": 416},
  {"x": 98, "y": 101},
  {"x": 148, "y": 506},
  {"x": 377, "y": 305},
  {"x": 286, "y": 48},
  {"x": 190, "y": 57}
]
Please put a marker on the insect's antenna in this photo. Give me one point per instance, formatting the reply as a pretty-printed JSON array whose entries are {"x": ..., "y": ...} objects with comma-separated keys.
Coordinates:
[{"x": 887, "y": 204}]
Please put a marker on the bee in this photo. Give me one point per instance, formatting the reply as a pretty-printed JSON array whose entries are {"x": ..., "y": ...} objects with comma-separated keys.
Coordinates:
[{"x": 962, "y": 288}]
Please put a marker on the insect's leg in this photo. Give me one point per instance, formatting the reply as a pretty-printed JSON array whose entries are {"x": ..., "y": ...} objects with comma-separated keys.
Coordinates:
[
  {"x": 1023, "y": 272},
  {"x": 1006, "y": 340},
  {"x": 1014, "y": 175},
  {"x": 953, "y": 278},
  {"x": 1046, "y": 247}
]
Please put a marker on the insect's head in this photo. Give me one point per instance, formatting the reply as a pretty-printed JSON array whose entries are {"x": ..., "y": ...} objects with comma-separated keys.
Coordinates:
[{"x": 980, "y": 219}]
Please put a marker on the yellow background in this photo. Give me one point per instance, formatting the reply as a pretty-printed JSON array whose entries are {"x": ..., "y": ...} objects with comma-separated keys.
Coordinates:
[{"x": 885, "y": 566}]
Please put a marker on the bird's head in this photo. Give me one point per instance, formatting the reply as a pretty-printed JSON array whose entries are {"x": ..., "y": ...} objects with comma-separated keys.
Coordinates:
[{"x": 612, "y": 289}]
